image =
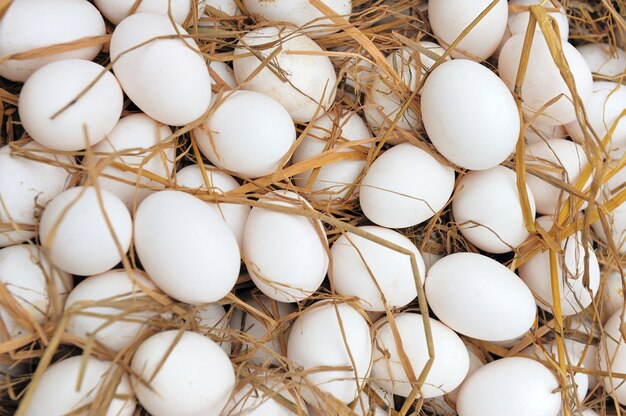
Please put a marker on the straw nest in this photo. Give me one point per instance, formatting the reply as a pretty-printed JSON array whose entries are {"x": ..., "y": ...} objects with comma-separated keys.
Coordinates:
[{"x": 376, "y": 28}]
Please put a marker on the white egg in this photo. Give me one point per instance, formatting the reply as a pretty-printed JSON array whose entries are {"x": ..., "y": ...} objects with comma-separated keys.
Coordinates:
[
  {"x": 561, "y": 159},
  {"x": 225, "y": 8},
  {"x": 449, "y": 18},
  {"x": 467, "y": 133},
  {"x": 476, "y": 360},
  {"x": 613, "y": 356},
  {"x": 74, "y": 383},
  {"x": 543, "y": 81},
  {"x": 186, "y": 247},
  {"x": 301, "y": 13},
  {"x": 331, "y": 335},
  {"x": 32, "y": 24},
  {"x": 371, "y": 271},
  {"x": 536, "y": 132},
  {"x": 183, "y": 374},
  {"x": 213, "y": 321},
  {"x": 449, "y": 367},
  {"x": 307, "y": 77},
  {"x": 518, "y": 20},
  {"x": 85, "y": 231},
  {"x": 613, "y": 294},
  {"x": 33, "y": 283},
  {"x": 488, "y": 210},
  {"x": 609, "y": 61},
  {"x": 267, "y": 400},
  {"x": 222, "y": 74},
  {"x": 26, "y": 185},
  {"x": 404, "y": 187},
  {"x": 604, "y": 113},
  {"x": 253, "y": 148},
  {"x": 512, "y": 386},
  {"x": 235, "y": 215},
  {"x": 334, "y": 180},
  {"x": 115, "y": 327},
  {"x": 479, "y": 297},
  {"x": 137, "y": 141},
  {"x": 617, "y": 226},
  {"x": 166, "y": 78},
  {"x": 286, "y": 254},
  {"x": 52, "y": 117},
  {"x": 116, "y": 11},
  {"x": 247, "y": 323}
]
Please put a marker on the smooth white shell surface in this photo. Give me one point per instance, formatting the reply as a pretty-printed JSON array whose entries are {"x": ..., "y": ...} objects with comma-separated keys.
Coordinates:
[
  {"x": 118, "y": 10},
  {"x": 603, "y": 60}
]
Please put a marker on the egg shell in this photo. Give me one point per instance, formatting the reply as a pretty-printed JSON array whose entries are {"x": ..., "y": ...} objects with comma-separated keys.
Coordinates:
[
  {"x": 223, "y": 74},
  {"x": 310, "y": 76},
  {"x": 480, "y": 125},
  {"x": 301, "y": 13},
  {"x": 116, "y": 11},
  {"x": 449, "y": 366},
  {"x": 85, "y": 231},
  {"x": 83, "y": 123},
  {"x": 286, "y": 254},
  {"x": 518, "y": 21},
  {"x": 404, "y": 187},
  {"x": 185, "y": 247},
  {"x": 488, "y": 210},
  {"x": 33, "y": 283},
  {"x": 264, "y": 401},
  {"x": 319, "y": 339},
  {"x": 613, "y": 358},
  {"x": 548, "y": 156},
  {"x": 479, "y": 297},
  {"x": 235, "y": 215},
  {"x": 174, "y": 65},
  {"x": 512, "y": 386},
  {"x": 136, "y": 141},
  {"x": 113, "y": 327},
  {"x": 543, "y": 81},
  {"x": 56, "y": 392},
  {"x": 227, "y": 8},
  {"x": 357, "y": 261},
  {"x": 476, "y": 360},
  {"x": 194, "y": 375},
  {"x": 247, "y": 323},
  {"x": 536, "y": 132},
  {"x": 334, "y": 180},
  {"x": 253, "y": 148},
  {"x": 33, "y": 24},
  {"x": 613, "y": 293},
  {"x": 617, "y": 226},
  {"x": 604, "y": 59},
  {"x": 449, "y": 18},
  {"x": 26, "y": 185},
  {"x": 213, "y": 322}
]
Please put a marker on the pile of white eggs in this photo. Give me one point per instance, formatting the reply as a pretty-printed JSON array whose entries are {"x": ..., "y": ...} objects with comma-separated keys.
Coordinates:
[{"x": 128, "y": 250}]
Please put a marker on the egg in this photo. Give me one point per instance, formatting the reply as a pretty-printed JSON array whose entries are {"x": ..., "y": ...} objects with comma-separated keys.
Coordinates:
[
  {"x": 613, "y": 357},
  {"x": 266, "y": 400},
  {"x": 26, "y": 185},
  {"x": 286, "y": 254},
  {"x": 182, "y": 373},
  {"x": 479, "y": 297},
  {"x": 118, "y": 10},
  {"x": 52, "y": 117},
  {"x": 333, "y": 181},
  {"x": 118, "y": 308},
  {"x": 255, "y": 329},
  {"x": 405, "y": 186},
  {"x": 213, "y": 322},
  {"x": 605, "y": 60},
  {"x": 561, "y": 159},
  {"x": 174, "y": 65},
  {"x": 307, "y": 78},
  {"x": 35, "y": 285},
  {"x": 301, "y": 13},
  {"x": 253, "y": 148},
  {"x": 536, "y": 132},
  {"x": 137, "y": 141},
  {"x": 512, "y": 386},
  {"x": 370, "y": 271},
  {"x": 85, "y": 231},
  {"x": 449, "y": 366},
  {"x": 467, "y": 133},
  {"x": 74, "y": 383},
  {"x": 331, "y": 335},
  {"x": 449, "y": 18},
  {"x": 227, "y": 8},
  {"x": 32, "y": 24},
  {"x": 235, "y": 215},
  {"x": 488, "y": 210},
  {"x": 543, "y": 81},
  {"x": 222, "y": 74},
  {"x": 476, "y": 360},
  {"x": 613, "y": 293},
  {"x": 616, "y": 220},
  {"x": 604, "y": 112},
  {"x": 186, "y": 247},
  {"x": 518, "y": 20}
]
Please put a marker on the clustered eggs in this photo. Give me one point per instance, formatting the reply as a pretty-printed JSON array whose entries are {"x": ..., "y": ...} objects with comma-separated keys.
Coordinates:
[{"x": 235, "y": 229}]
